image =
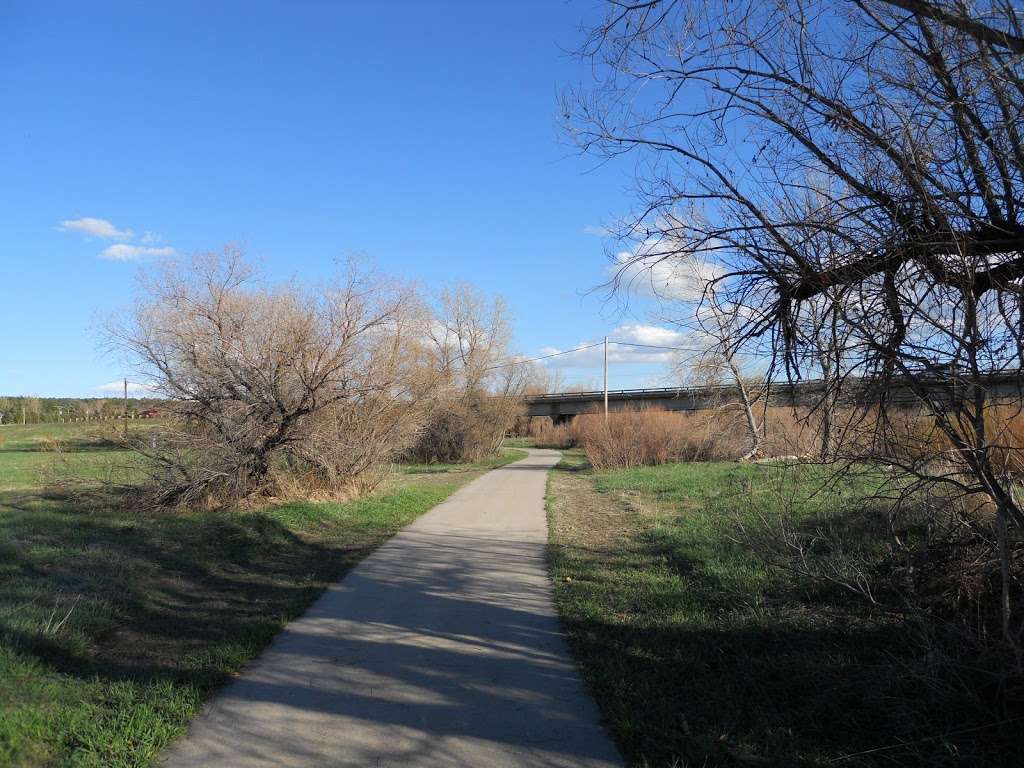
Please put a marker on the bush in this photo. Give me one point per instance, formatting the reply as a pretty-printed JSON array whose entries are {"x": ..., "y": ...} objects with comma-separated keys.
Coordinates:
[
  {"x": 479, "y": 400},
  {"x": 655, "y": 436},
  {"x": 790, "y": 432},
  {"x": 50, "y": 444},
  {"x": 651, "y": 436},
  {"x": 464, "y": 429},
  {"x": 546, "y": 434},
  {"x": 274, "y": 391}
]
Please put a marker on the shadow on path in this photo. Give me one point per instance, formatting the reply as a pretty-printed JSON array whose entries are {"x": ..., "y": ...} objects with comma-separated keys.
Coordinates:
[{"x": 442, "y": 648}]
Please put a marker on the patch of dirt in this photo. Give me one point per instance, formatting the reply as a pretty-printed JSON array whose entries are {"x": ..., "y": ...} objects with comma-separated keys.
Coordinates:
[{"x": 584, "y": 517}]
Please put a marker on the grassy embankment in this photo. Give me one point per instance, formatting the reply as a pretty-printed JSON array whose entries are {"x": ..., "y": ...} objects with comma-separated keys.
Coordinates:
[
  {"x": 701, "y": 654},
  {"x": 116, "y": 626}
]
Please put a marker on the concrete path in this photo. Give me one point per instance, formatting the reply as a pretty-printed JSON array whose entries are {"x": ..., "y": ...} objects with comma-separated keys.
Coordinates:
[{"x": 440, "y": 649}]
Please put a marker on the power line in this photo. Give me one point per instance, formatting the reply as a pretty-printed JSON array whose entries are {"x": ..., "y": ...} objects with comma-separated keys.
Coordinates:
[
  {"x": 543, "y": 357},
  {"x": 521, "y": 361},
  {"x": 655, "y": 346}
]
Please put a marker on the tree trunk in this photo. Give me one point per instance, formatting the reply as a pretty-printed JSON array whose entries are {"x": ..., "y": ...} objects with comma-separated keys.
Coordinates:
[{"x": 753, "y": 429}]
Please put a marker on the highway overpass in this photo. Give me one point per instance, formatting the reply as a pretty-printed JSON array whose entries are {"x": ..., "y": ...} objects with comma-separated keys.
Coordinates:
[{"x": 563, "y": 406}]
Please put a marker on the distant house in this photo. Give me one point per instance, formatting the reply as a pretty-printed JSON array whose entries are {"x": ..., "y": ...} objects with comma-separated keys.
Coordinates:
[{"x": 150, "y": 413}]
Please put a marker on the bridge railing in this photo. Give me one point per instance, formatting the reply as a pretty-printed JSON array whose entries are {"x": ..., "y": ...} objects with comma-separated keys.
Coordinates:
[
  {"x": 993, "y": 379},
  {"x": 671, "y": 391}
]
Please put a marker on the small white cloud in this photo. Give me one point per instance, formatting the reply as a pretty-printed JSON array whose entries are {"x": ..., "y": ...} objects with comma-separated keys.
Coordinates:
[
  {"x": 651, "y": 270},
  {"x": 125, "y": 252},
  {"x": 94, "y": 227},
  {"x": 618, "y": 354},
  {"x": 675, "y": 262},
  {"x": 134, "y": 388},
  {"x": 590, "y": 229},
  {"x": 658, "y": 335},
  {"x": 150, "y": 238}
]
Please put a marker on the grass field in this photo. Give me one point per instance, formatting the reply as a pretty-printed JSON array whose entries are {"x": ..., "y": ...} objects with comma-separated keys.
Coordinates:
[
  {"x": 116, "y": 626},
  {"x": 29, "y": 454},
  {"x": 699, "y": 653}
]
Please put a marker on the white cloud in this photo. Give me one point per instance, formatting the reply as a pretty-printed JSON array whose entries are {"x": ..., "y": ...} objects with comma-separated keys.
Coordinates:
[
  {"x": 618, "y": 354},
  {"x": 676, "y": 261},
  {"x": 134, "y": 388},
  {"x": 125, "y": 252},
  {"x": 596, "y": 231},
  {"x": 94, "y": 227},
  {"x": 649, "y": 270},
  {"x": 640, "y": 333}
]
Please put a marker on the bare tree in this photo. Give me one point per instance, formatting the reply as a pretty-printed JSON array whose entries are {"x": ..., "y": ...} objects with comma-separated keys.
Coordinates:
[
  {"x": 469, "y": 343},
  {"x": 32, "y": 407},
  {"x": 825, "y": 355},
  {"x": 267, "y": 382},
  {"x": 541, "y": 379},
  {"x": 470, "y": 337},
  {"x": 718, "y": 366},
  {"x": 915, "y": 248}
]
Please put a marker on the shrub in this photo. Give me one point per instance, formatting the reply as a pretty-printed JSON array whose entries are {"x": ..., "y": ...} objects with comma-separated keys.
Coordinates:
[
  {"x": 909, "y": 436},
  {"x": 479, "y": 401},
  {"x": 654, "y": 436},
  {"x": 651, "y": 436},
  {"x": 547, "y": 434},
  {"x": 50, "y": 444},
  {"x": 790, "y": 432},
  {"x": 466, "y": 428},
  {"x": 630, "y": 438},
  {"x": 271, "y": 389}
]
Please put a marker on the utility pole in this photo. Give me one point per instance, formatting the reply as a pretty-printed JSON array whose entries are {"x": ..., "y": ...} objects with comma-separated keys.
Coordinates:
[
  {"x": 126, "y": 410},
  {"x": 606, "y": 379}
]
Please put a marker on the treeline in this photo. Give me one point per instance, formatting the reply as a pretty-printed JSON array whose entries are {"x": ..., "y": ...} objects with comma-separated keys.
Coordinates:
[{"x": 54, "y": 410}]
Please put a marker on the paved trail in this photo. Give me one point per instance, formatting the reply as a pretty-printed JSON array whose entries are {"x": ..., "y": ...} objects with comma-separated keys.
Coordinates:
[{"x": 440, "y": 649}]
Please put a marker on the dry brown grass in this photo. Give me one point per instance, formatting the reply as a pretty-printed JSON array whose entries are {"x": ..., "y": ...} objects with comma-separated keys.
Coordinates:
[
  {"x": 790, "y": 431},
  {"x": 654, "y": 436},
  {"x": 910, "y": 436},
  {"x": 632, "y": 438},
  {"x": 546, "y": 434},
  {"x": 50, "y": 444}
]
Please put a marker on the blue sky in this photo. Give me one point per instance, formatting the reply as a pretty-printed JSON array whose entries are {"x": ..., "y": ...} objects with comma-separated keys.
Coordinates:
[{"x": 423, "y": 135}]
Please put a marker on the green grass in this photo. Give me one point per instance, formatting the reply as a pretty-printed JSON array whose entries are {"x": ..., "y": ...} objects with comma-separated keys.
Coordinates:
[
  {"x": 27, "y": 455},
  {"x": 116, "y": 626},
  {"x": 519, "y": 442},
  {"x": 506, "y": 456},
  {"x": 701, "y": 652}
]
